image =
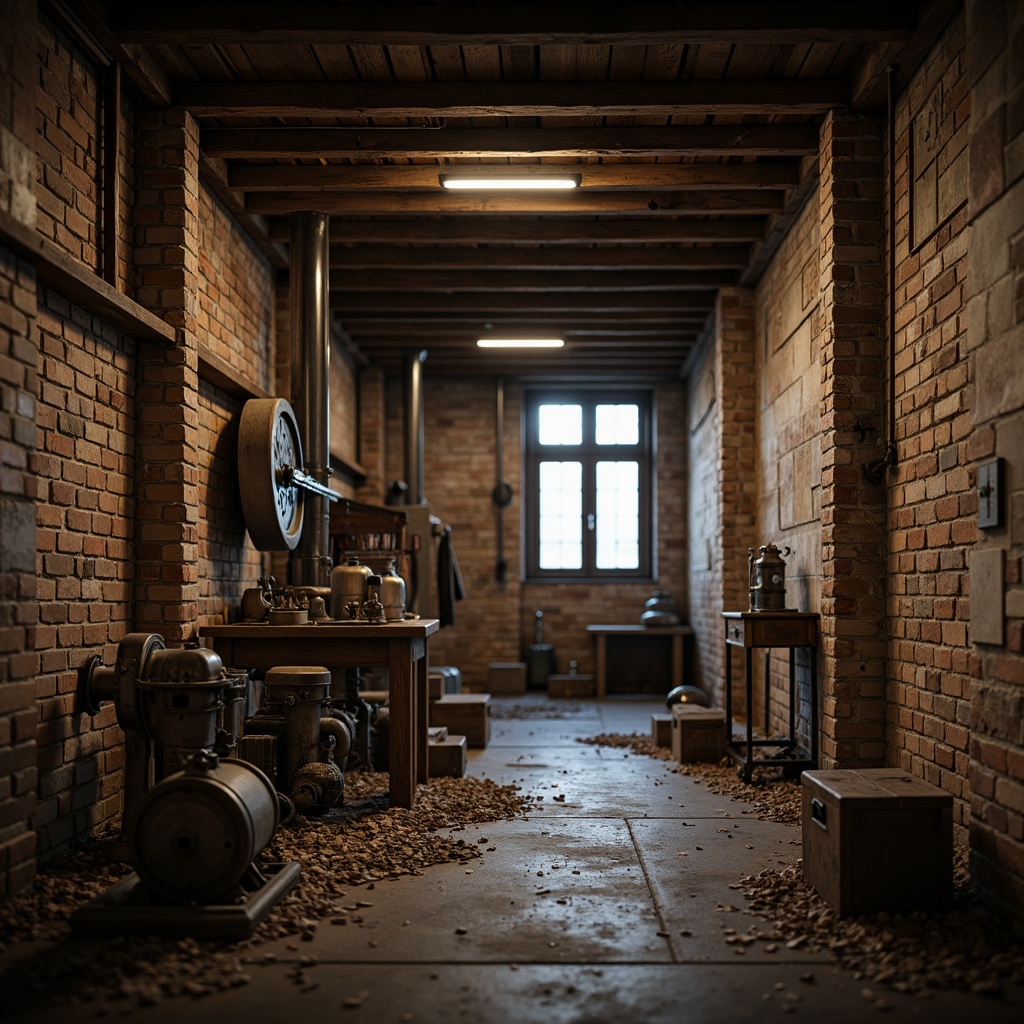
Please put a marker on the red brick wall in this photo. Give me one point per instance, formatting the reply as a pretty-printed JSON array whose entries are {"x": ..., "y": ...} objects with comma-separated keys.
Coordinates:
[
  {"x": 932, "y": 504},
  {"x": 788, "y": 343},
  {"x": 497, "y": 621},
  {"x": 995, "y": 311},
  {"x": 18, "y": 354},
  {"x": 167, "y": 227},
  {"x": 853, "y": 622},
  {"x": 235, "y": 321},
  {"x": 85, "y": 465}
]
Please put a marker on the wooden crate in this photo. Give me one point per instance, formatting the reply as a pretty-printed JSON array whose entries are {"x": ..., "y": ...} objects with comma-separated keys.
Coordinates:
[
  {"x": 877, "y": 839},
  {"x": 661, "y": 730},
  {"x": 464, "y": 714},
  {"x": 447, "y": 757},
  {"x": 562, "y": 687},
  {"x": 506, "y": 678},
  {"x": 698, "y": 734}
]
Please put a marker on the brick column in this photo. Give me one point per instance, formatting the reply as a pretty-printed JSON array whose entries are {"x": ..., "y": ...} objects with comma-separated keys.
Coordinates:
[
  {"x": 18, "y": 368},
  {"x": 995, "y": 338},
  {"x": 167, "y": 432},
  {"x": 853, "y": 598}
]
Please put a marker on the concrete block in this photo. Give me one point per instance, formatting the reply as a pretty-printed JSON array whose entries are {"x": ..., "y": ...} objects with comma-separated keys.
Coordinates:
[
  {"x": 447, "y": 757},
  {"x": 506, "y": 678}
]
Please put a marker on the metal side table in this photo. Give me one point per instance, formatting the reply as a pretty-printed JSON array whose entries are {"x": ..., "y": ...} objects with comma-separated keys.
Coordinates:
[{"x": 789, "y": 630}]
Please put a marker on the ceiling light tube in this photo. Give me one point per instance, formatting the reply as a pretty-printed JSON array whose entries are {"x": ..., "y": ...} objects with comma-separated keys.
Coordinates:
[
  {"x": 520, "y": 343},
  {"x": 509, "y": 182}
]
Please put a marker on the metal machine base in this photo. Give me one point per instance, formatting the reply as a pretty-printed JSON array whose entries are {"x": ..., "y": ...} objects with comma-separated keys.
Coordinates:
[{"x": 126, "y": 908}]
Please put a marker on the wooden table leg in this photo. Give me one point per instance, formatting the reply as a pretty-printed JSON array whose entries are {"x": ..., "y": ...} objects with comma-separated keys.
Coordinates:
[
  {"x": 602, "y": 665},
  {"x": 402, "y": 724},
  {"x": 420, "y": 672}
]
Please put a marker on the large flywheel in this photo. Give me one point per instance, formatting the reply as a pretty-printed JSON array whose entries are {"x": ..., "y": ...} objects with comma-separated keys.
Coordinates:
[{"x": 269, "y": 447}]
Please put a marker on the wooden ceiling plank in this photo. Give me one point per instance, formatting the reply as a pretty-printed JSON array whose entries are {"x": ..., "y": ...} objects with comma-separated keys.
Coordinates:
[
  {"x": 512, "y": 24},
  {"x": 509, "y": 99},
  {"x": 327, "y": 143},
  {"x": 547, "y": 231},
  {"x": 692, "y": 176}
]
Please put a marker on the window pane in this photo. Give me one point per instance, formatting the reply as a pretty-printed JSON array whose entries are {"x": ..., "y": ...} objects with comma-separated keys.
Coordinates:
[
  {"x": 561, "y": 515},
  {"x": 617, "y": 424},
  {"x": 618, "y": 515},
  {"x": 561, "y": 424}
]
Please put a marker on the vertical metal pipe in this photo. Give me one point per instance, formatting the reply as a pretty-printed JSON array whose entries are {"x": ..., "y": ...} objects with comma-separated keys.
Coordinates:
[
  {"x": 414, "y": 432},
  {"x": 311, "y": 346}
]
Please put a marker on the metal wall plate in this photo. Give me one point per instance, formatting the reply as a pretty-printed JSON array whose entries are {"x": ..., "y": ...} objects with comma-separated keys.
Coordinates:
[{"x": 990, "y": 493}]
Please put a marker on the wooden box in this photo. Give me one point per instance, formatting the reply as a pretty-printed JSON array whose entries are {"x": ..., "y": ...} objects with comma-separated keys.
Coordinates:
[
  {"x": 661, "y": 730},
  {"x": 698, "y": 734},
  {"x": 442, "y": 679},
  {"x": 877, "y": 839},
  {"x": 447, "y": 757},
  {"x": 464, "y": 714},
  {"x": 506, "y": 678},
  {"x": 567, "y": 686}
]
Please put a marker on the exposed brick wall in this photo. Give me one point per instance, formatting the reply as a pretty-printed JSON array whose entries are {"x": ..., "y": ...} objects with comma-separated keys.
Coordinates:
[
  {"x": 344, "y": 442},
  {"x": 18, "y": 354},
  {"x": 788, "y": 343},
  {"x": 853, "y": 623},
  {"x": 704, "y": 564},
  {"x": 995, "y": 306},
  {"x": 932, "y": 503},
  {"x": 497, "y": 620},
  {"x": 235, "y": 317},
  {"x": 167, "y": 225},
  {"x": 68, "y": 160},
  {"x": 235, "y": 321},
  {"x": 85, "y": 466}
]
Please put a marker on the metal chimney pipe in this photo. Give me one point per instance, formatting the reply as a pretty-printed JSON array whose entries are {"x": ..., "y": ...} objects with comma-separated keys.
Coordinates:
[
  {"x": 310, "y": 268},
  {"x": 414, "y": 433}
]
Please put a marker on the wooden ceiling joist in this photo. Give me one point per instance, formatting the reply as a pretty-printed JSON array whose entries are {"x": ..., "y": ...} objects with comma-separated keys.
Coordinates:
[
  {"x": 450, "y": 281},
  {"x": 418, "y": 100},
  {"x": 497, "y": 230},
  {"x": 636, "y": 141},
  {"x": 534, "y": 304},
  {"x": 679, "y": 176},
  {"x": 512, "y": 24}
]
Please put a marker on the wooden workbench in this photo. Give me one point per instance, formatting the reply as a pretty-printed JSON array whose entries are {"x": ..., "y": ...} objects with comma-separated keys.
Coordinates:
[
  {"x": 401, "y": 647},
  {"x": 605, "y": 635}
]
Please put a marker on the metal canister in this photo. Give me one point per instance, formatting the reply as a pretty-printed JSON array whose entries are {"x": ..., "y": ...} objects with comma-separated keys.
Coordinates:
[
  {"x": 392, "y": 594},
  {"x": 348, "y": 589}
]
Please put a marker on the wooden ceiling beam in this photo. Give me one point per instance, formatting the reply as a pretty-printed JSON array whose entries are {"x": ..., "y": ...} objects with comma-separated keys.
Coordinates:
[
  {"x": 574, "y": 203},
  {"x": 511, "y": 24},
  {"x": 691, "y": 176},
  {"x": 497, "y": 230},
  {"x": 564, "y": 258},
  {"x": 419, "y": 100},
  {"x": 669, "y": 140},
  {"x": 536, "y": 305},
  {"x": 450, "y": 281},
  {"x": 371, "y": 321}
]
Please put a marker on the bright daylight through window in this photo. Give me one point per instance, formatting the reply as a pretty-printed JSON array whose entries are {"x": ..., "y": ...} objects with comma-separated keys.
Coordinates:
[{"x": 589, "y": 484}]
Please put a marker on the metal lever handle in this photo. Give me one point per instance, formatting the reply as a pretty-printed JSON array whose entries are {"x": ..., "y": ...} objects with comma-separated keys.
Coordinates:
[
  {"x": 292, "y": 477},
  {"x": 818, "y": 812}
]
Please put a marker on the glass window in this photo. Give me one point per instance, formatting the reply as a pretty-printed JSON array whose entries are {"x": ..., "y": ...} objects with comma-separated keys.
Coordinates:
[{"x": 589, "y": 509}]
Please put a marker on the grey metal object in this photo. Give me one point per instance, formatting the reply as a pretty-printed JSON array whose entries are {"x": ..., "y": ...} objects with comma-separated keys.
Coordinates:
[
  {"x": 348, "y": 588},
  {"x": 414, "y": 429},
  {"x": 392, "y": 594},
  {"x": 661, "y": 610},
  {"x": 767, "y": 579},
  {"x": 310, "y": 270},
  {"x": 197, "y": 832}
]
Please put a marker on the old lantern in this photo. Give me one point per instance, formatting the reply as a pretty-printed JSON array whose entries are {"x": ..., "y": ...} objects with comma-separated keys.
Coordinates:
[{"x": 767, "y": 579}]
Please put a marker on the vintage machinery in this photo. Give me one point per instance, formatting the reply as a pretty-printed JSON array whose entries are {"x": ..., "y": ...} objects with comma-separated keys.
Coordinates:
[
  {"x": 298, "y": 739},
  {"x": 191, "y": 835},
  {"x": 766, "y": 576}
]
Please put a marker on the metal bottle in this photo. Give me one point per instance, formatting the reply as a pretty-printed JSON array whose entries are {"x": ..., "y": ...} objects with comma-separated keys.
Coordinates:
[
  {"x": 392, "y": 594},
  {"x": 766, "y": 576},
  {"x": 348, "y": 589}
]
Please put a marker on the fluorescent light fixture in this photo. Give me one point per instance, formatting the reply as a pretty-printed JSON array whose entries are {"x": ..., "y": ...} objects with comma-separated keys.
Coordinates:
[
  {"x": 508, "y": 182},
  {"x": 520, "y": 343}
]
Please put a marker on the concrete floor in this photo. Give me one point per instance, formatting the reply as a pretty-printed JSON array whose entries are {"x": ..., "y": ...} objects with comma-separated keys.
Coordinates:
[{"x": 609, "y": 905}]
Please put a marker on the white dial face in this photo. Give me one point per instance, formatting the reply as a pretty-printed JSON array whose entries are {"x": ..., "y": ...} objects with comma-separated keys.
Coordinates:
[{"x": 284, "y": 453}]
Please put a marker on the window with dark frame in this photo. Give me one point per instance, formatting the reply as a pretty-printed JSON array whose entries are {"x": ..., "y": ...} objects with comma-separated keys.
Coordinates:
[{"x": 589, "y": 484}]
